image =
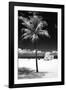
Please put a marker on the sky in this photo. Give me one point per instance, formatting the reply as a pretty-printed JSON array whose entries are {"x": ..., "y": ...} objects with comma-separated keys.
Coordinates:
[{"x": 44, "y": 43}]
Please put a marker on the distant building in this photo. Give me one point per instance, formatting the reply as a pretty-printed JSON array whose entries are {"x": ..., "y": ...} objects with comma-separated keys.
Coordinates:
[
  {"x": 48, "y": 56},
  {"x": 51, "y": 55}
]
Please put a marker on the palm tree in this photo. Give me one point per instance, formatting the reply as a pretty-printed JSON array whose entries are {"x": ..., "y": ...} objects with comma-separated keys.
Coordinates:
[{"x": 33, "y": 28}]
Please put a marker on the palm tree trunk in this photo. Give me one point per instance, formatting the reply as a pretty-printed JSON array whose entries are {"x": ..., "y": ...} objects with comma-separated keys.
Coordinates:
[
  {"x": 36, "y": 62},
  {"x": 36, "y": 58}
]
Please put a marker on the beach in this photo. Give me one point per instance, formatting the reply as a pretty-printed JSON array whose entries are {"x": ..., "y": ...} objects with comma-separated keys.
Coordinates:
[{"x": 48, "y": 69}]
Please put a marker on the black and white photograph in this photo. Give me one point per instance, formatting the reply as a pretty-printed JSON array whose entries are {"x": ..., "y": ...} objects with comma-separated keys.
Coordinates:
[{"x": 37, "y": 44}]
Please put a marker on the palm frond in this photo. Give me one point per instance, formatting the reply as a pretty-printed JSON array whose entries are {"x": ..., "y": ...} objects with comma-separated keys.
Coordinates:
[
  {"x": 26, "y": 22},
  {"x": 34, "y": 37},
  {"x": 26, "y": 30},
  {"x": 45, "y": 23},
  {"x": 40, "y": 25},
  {"x": 33, "y": 27},
  {"x": 20, "y": 17},
  {"x": 43, "y": 32},
  {"x": 34, "y": 20},
  {"x": 27, "y": 36}
]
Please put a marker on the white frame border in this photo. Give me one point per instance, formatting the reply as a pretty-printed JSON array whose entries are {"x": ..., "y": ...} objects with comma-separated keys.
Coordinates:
[{"x": 16, "y": 8}]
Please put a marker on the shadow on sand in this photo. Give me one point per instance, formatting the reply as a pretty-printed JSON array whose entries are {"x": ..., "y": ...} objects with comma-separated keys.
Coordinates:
[{"x": 26, "y": 73}]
